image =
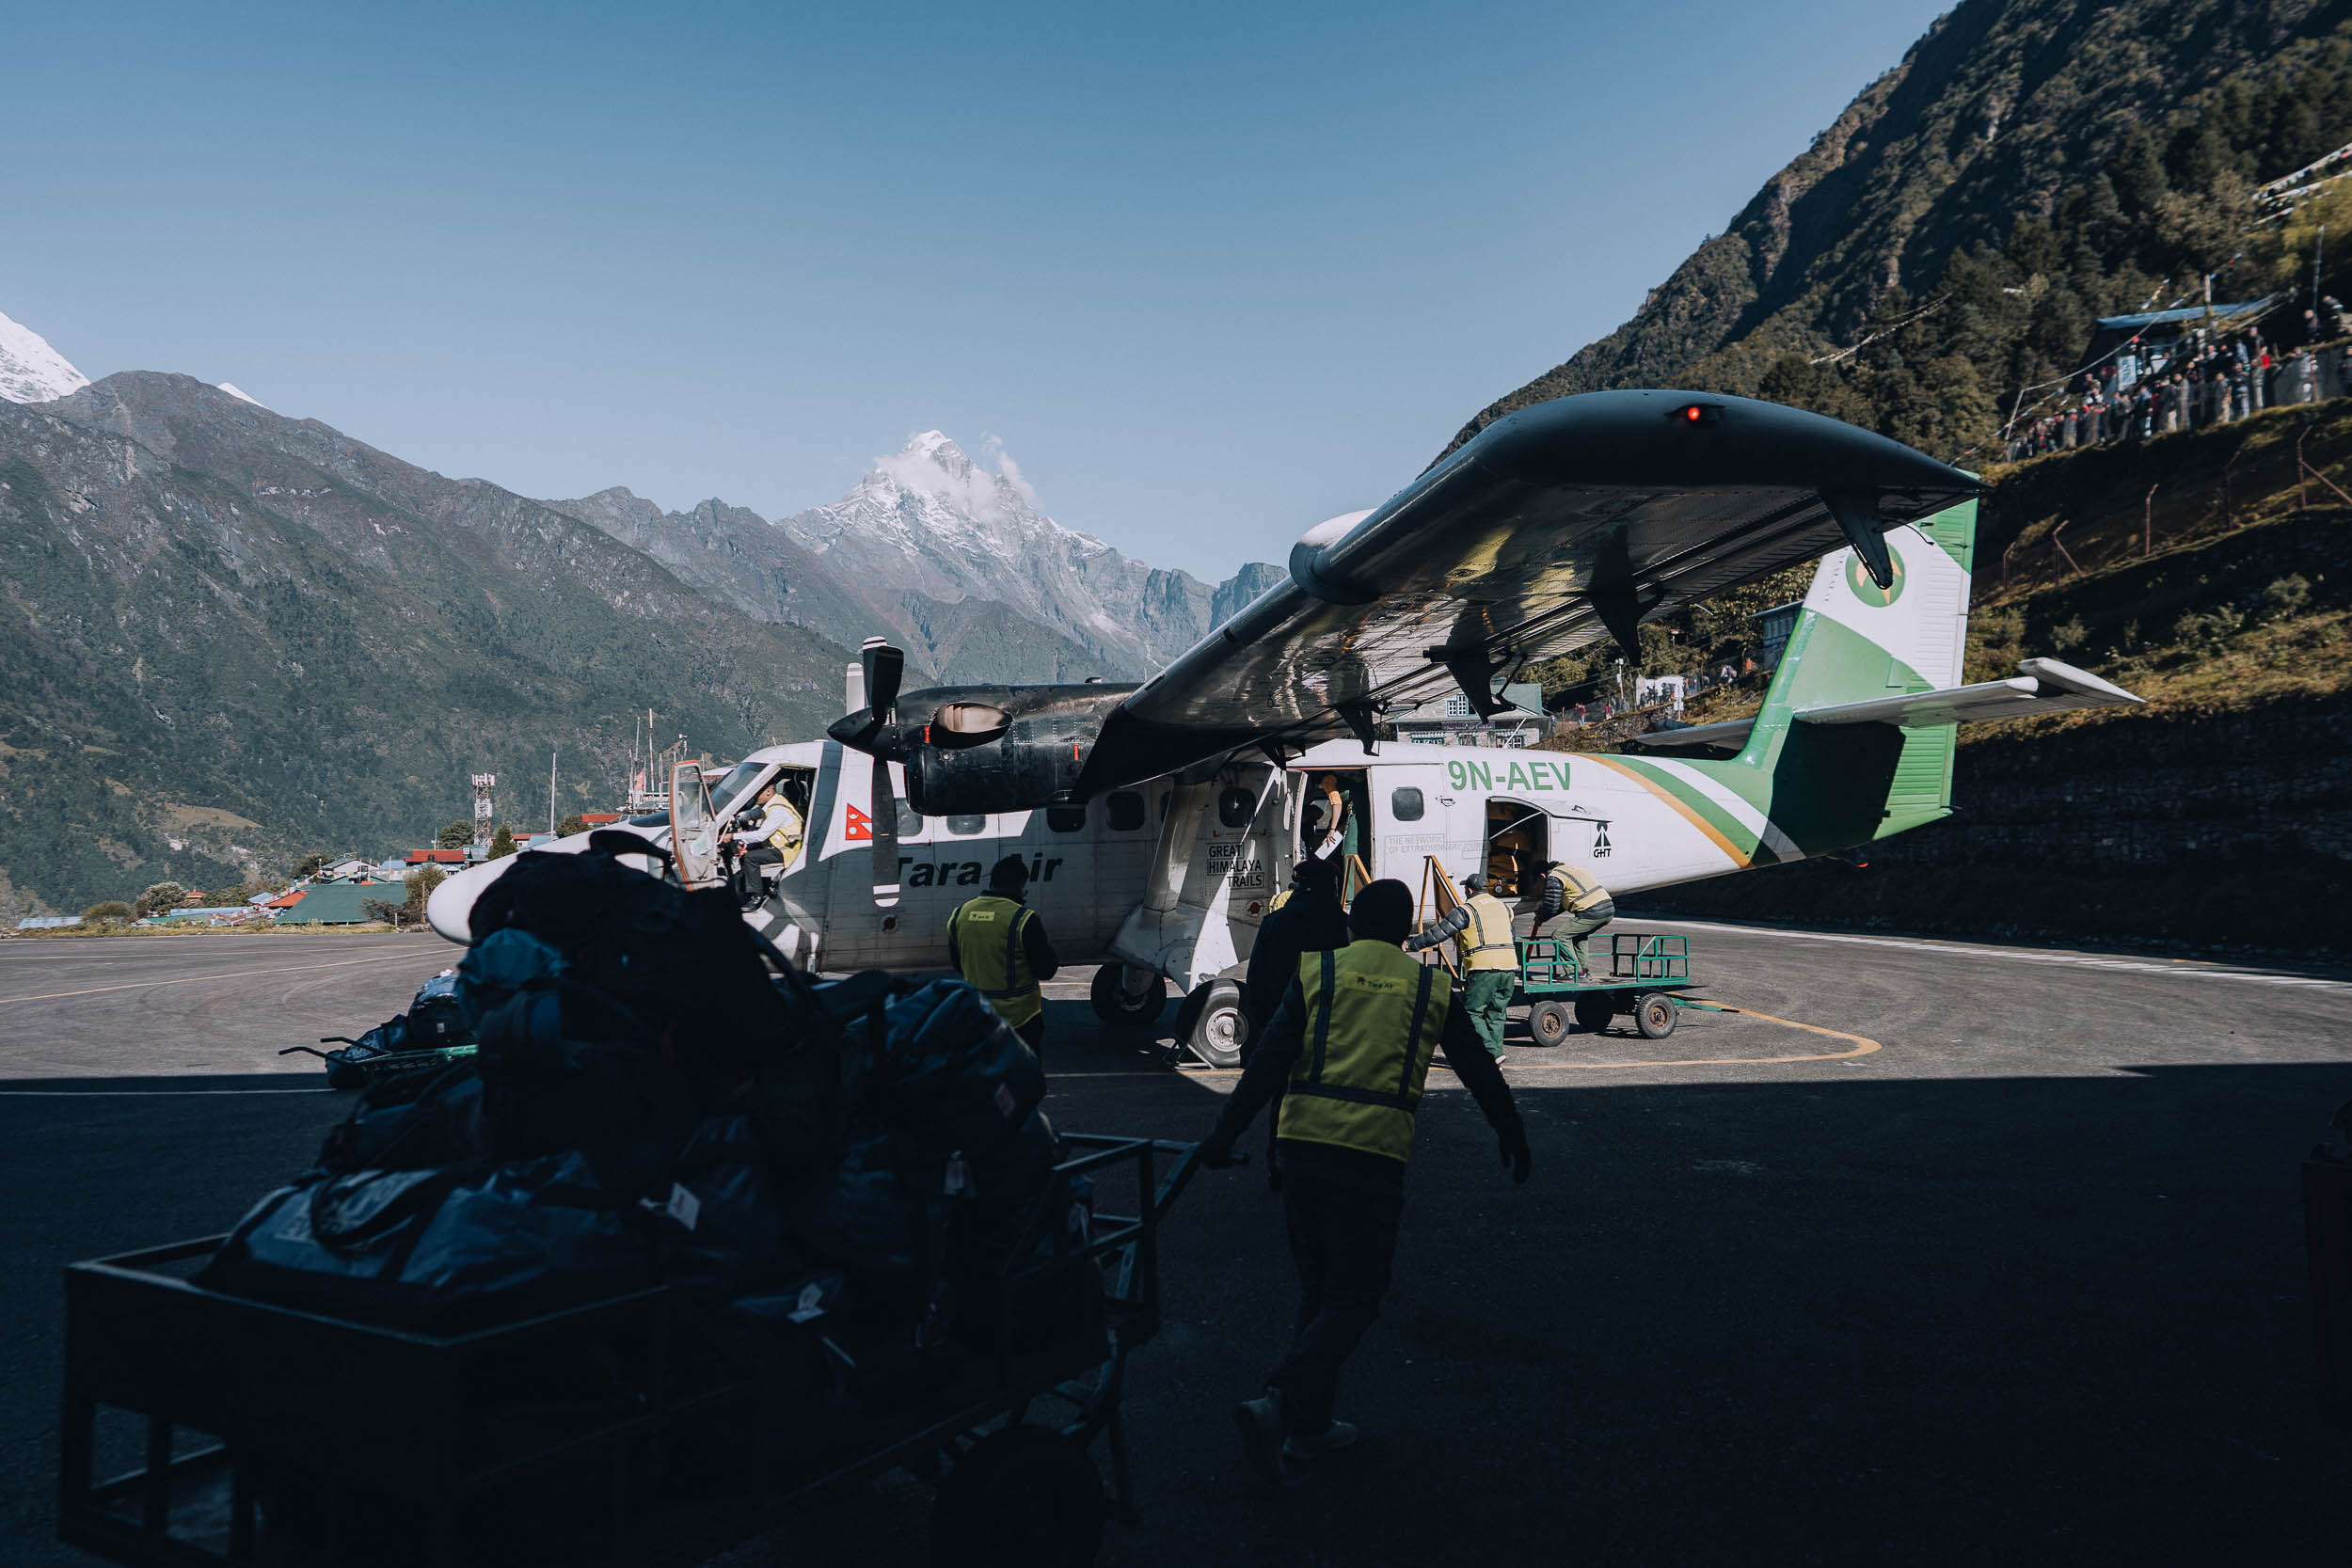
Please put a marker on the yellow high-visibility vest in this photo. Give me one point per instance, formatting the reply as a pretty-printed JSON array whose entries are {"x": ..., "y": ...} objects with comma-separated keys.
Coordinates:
[
  {"x": 1373, "y": 1020},
  {"x": 988, "y": 950},
  {"x": 1485, "y": 942},
  {"x": 1576, "y": 893}
]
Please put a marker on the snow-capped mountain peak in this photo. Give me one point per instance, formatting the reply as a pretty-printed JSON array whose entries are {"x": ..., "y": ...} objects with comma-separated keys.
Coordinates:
[
  {"x": 932, "y": 520},
  {"x": 30, "y": 369},
  {"x": 240, "y": 394}
]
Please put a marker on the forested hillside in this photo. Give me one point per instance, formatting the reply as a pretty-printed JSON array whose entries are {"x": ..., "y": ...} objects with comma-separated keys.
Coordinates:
[
  {"x": 231, "y": 638},
  {"x": 1946, "y": 244}
]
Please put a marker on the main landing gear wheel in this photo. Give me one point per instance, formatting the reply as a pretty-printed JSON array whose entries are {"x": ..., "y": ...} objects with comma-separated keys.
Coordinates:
[
  {"x": 1211, "y": 1022},
  {"x": 1113, "y": 1005},
  {"x": 1026, "y": 1495},
  {"x": 1655, "y": 1015},
  {"x": 1593, "y": 1013},
  {"x": 1547, "y": 1022}
]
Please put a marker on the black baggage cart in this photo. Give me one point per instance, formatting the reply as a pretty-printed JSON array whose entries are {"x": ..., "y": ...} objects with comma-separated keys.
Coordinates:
[{"x": 265, "y": 1436}]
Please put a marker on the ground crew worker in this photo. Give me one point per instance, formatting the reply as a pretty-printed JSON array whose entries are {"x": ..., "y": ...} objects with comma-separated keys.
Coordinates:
[
  {"x": 1583, "y": 902},
  {"x": 1311, "y": 921},
  {"x": 1479, "y": 930},
  {"x": 999, "y": 945},
  {"x": 771, "y": 838},
  {"x": 1349, "y": 1049}
]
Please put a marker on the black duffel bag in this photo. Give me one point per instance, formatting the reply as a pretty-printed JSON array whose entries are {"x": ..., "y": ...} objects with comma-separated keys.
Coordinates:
[
  {"x": 443, "y": 1251},
  {"x": 683, "y": 963},
  {"x": 410, "y": 1121}
]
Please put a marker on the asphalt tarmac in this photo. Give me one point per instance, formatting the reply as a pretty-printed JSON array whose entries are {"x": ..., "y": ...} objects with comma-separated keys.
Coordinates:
[{"x": 1936, "y": 1254}]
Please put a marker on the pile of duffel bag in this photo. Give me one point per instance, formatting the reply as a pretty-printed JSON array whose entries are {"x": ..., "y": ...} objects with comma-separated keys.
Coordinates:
[{"x": 842, "y": 1178}]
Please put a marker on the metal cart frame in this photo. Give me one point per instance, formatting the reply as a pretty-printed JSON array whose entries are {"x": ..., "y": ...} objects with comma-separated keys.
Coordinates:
[
  {"x": 1645, "y": 971},
  {"x": 272, "y": 1387}
]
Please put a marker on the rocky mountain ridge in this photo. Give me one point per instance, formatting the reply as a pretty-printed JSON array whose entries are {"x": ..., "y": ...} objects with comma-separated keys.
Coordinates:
[{"x": 951, "y": 557}]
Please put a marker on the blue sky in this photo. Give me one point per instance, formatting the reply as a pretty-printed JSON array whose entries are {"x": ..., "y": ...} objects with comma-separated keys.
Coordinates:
[{"x": 1210, "y": 273}]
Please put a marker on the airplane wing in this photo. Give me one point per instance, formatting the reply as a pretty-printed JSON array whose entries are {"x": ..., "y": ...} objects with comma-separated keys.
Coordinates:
[
  {"x": 1564, "y": 524},
  {"x": 2045, "y": 686}
]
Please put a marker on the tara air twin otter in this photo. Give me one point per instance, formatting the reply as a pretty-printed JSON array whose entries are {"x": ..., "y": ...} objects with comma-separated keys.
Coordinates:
[{"x": 1160, "y": 819}]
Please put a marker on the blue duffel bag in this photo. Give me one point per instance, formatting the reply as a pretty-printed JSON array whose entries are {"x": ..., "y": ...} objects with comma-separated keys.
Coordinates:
[
  {"x": 442, "y": 1251},
  {"x": 956, "y": 1076}
]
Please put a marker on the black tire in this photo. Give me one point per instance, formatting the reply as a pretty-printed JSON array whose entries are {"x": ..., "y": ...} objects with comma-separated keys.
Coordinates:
[
  {"x": 1211, "y": 1023},
  {"x": 1594, "y": 1009},
  {"x": 1655, "y": 1016},
  {"x": 1113, "y": 1006},
  {"x": 1549, "y": 1022},
  {"x": 1024, "y": 1495}
]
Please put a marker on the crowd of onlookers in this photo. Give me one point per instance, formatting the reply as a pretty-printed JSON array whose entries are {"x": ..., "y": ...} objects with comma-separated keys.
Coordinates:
[{"x": 2204, "y": 378}]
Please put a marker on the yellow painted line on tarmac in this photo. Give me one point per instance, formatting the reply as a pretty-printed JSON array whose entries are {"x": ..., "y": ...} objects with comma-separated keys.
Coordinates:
[
  {"x": 1863, "y": 1046},
  {"x": 202, "y": 979}
]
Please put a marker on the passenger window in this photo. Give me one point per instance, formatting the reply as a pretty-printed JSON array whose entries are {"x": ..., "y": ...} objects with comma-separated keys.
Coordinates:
[
  {"x": 1125, "y": 809},
  {"x": 1067, "y": 819},
  {"x": 965, "y": 827},
  {"x": 1235, "y": 807},
  {"x": 1405, "y": 804},
  {"x": 910, "y": 820}
]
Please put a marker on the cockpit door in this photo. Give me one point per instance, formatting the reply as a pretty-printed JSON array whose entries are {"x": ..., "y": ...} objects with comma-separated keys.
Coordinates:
[{"x": 693, "y": 829}]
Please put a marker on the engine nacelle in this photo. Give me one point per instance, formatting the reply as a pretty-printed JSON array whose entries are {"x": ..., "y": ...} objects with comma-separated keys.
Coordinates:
[{"x": 1001, "y": 748}]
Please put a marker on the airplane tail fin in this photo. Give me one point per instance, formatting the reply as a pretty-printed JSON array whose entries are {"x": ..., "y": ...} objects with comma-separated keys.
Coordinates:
[{"x": 1855, "y": 641}]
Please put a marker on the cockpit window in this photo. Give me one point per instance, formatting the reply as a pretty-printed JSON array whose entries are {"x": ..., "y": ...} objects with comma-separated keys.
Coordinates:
[{"x": 739, "y": 779}]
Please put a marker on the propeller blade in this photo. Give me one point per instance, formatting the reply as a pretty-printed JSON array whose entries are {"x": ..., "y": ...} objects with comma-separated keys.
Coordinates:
[
  {"x": 883, "y": 665},
  {"x": 881, "y": 807}
]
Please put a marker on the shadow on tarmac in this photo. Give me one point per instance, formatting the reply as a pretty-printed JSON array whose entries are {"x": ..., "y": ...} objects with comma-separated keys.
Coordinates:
[{"x": 1808, "y": 1319}]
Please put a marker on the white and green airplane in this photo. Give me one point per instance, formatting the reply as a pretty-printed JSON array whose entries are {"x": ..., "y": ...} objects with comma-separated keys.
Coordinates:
[{"x": 1159, "y": 865}]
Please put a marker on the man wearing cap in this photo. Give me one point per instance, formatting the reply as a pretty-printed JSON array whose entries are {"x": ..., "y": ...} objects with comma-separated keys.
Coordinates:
[
  {"x": 999, "y": 945},
  {"x": 1348, "y": 1049},
  {"x": 1480, "y": 929}
]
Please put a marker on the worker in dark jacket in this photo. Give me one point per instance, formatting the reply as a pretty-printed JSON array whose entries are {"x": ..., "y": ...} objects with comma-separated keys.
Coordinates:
[
  {"x": 1348, "y": 1049},
  {"x": 998, "y": 944},
  {"x": 1580, "y": 901},
  {"x": 1310, "y": 921}
]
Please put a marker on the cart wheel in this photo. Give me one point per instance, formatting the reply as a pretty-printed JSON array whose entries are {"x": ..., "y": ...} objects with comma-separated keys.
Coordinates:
[
  {"x": 1547, "y": 1022},
  {"x": 1594, "y": 1009},
  {"x": 1656, "y": 1014},
  {"x": 1210, "y": 1021},
  {"x": 1026, "y": 1495},
  {"x": 1112, "y": 1003}
]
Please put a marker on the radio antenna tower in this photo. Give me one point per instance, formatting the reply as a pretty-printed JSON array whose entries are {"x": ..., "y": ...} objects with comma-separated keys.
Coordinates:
[{"x": 484, "y": 810}]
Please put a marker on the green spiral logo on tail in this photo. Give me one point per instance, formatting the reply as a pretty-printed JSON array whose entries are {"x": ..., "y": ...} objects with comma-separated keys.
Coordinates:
[{"x": 1870, "y": 593}]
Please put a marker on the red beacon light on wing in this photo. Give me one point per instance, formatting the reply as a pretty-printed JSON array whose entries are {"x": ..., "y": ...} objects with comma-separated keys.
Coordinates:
[{"x": 1698, "y": 413}]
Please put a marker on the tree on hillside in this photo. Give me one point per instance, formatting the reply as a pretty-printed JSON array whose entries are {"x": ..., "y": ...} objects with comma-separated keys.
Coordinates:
[
  {"x": 501, "y": 842},
  {"x": 158, "y": 897},
  {"x": 456, "y": 836},
  {"x": 310, "y": 865},
  {"x": 572, "y": 824},
  {"x": 420, "y": 883},
  {"x": 111, "y": 908}
]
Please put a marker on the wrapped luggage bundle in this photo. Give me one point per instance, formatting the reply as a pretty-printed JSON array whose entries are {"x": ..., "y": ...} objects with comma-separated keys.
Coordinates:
[{"x": 839, "y": 1178}]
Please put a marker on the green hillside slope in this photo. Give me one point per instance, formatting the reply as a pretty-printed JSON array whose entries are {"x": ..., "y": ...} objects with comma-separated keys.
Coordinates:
[
  {"x": 2210, "y": 572},
  {"x": 232, "y": 637},
  {"x": 2028, "y": 166}
]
